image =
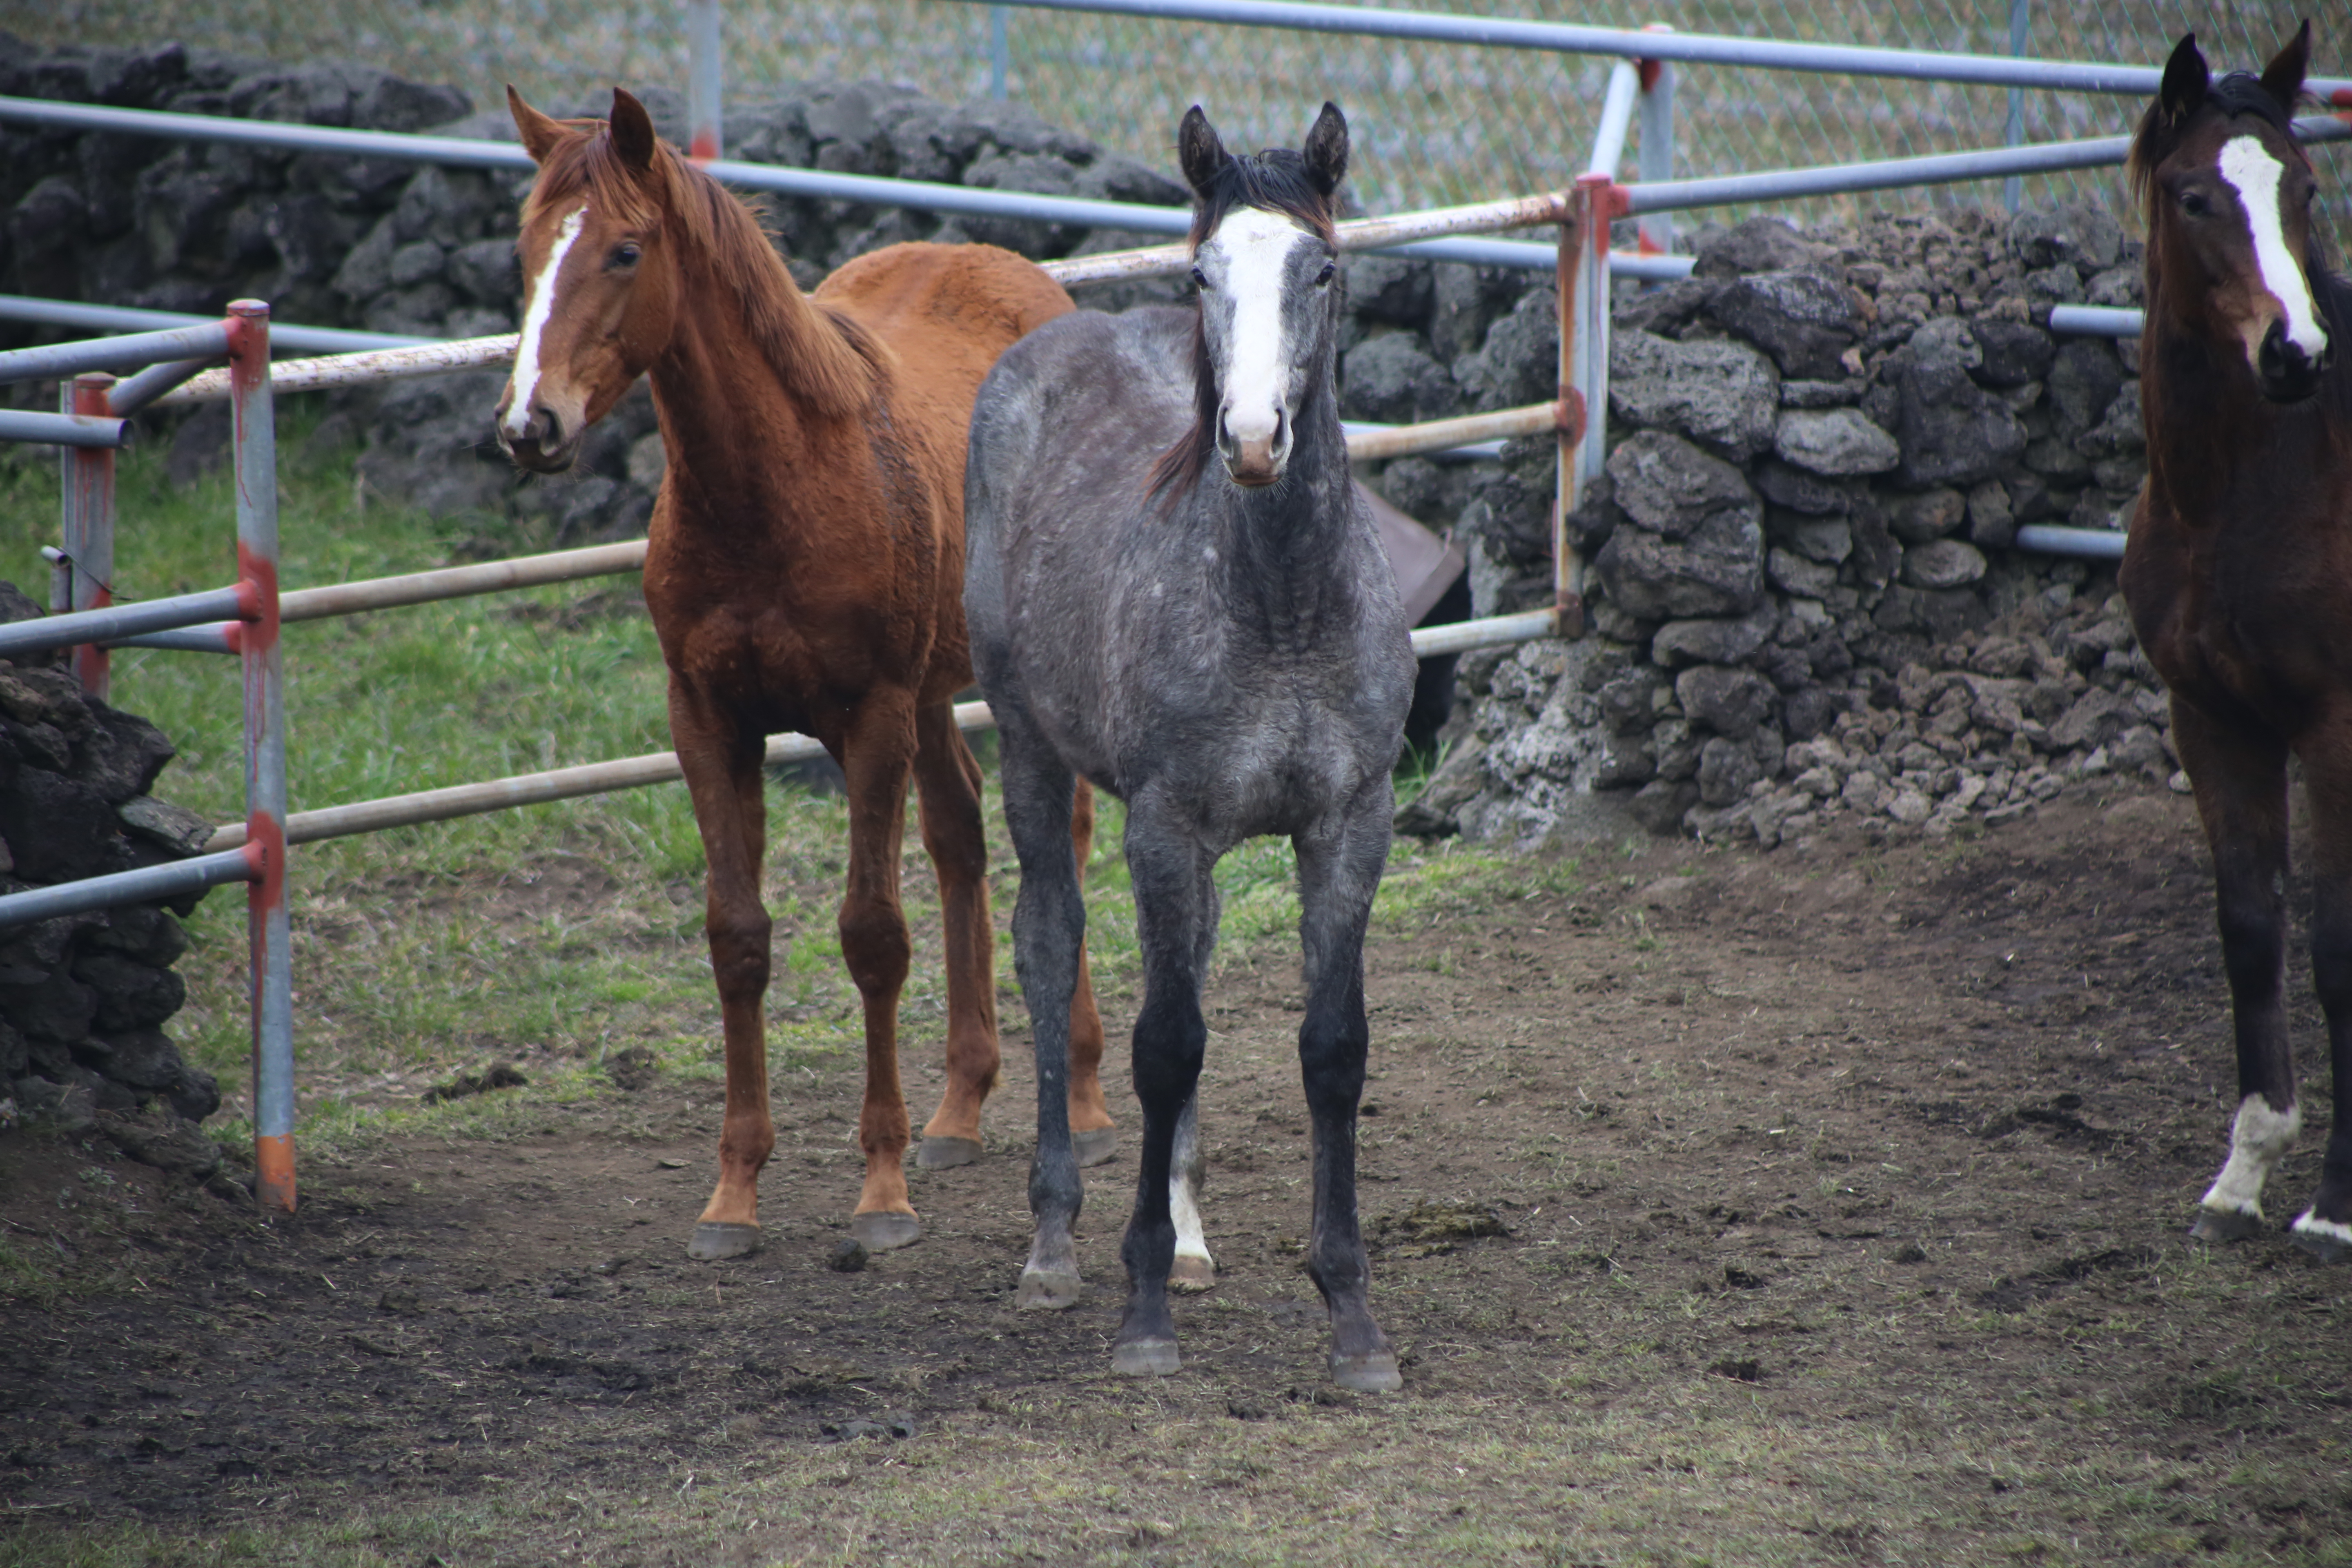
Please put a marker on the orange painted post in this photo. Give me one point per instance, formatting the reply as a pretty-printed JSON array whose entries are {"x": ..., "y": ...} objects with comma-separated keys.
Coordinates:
[
  {"x": 88, "y": 523},
  {"x": 255, "y": 444}
]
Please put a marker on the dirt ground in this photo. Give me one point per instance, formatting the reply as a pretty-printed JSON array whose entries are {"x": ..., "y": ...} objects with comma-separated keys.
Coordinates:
[{"x": 1834, "y": 1206}]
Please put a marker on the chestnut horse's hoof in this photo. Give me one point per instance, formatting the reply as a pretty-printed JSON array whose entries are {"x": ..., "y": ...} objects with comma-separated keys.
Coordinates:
[
  {"x": 2324, "y": 1238},
  {"x": 717, "y": 1239},
  {"x": 2225, "y": 1225},
  {"x": 1191, "y": 1275},
  {"x": 1144, "y": 1358},
  {"x": 1373, "y": 1371},
  {"x": 884, "y": 1229},
  {"x": 945, "y": 1154},
  {"x": 1095, "y": 1145},
  {"x": 1041, "y": 1292}
]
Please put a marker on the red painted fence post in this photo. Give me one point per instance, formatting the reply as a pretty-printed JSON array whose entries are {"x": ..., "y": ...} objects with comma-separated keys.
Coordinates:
[
  {"x": 256, "y": 449},
  {"x": 88, "y": 523}
]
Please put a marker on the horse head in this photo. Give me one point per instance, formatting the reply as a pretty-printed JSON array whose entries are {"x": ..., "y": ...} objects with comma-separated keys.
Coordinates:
[
  {"x": 2228, "y": 194},
  {"x": 1264, "y": 259},
  {"x": 602, "y": 297}
]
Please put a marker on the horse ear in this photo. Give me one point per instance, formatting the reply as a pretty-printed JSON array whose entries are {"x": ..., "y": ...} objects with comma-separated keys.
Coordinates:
[
  {"x": 1326, "y": 150},
  {"x": 540, "y": 133},
  {"x": 632, "y": 132},
  {"x": 1199, "y": 152},
  {"x": 2186, "y": 79},
  {"x": 2282, "y": 77}
]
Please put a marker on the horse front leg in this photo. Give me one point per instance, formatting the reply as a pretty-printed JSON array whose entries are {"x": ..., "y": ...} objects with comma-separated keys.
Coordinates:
[
  {"x": 1193, "y": 1270},
  {"x": 1340, "y": 865},
  {"x": 2324, "y": 1229},
  {"x": 1049, "y": 920},
  {"x": 947, "y": 782},
  {"x": 1090, "y": 1121},
  {"x": 1168, "y": 867},
  {"x": 878, "y": 749},
  {"x": 2240, "y": 778},
  {"x": 722, "y": 764}
]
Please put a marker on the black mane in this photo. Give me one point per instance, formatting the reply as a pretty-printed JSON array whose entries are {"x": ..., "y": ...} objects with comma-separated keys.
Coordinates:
[{"x": 1274, "y": 181}]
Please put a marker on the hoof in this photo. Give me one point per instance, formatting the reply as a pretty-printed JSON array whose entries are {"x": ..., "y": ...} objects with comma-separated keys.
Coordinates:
[
  {"x": 2225, "y": 1225},
  {"x": 1144, "y": 1358},
  {"x": 883, "y": 1229},
  {"x": 1043, "y": 1292},
  {"x": 2324, "y": 1239},
  {"x": 945, "y": 1154},
  {"x": 1374, "y": 1372},
  {"x": 1191, "y": 1275},
  {"x": 1095, "y": 1145},
  {"x": 717, "y": 1239}
]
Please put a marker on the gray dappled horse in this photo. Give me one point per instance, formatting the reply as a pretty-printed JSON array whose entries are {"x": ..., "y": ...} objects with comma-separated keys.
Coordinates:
[{"x": 1220, "y": 645}]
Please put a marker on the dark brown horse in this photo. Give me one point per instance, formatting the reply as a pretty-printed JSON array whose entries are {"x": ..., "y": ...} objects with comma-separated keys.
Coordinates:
[
  {"x": 805, "y": 572},
  {"x": 2239, "y": 572}
]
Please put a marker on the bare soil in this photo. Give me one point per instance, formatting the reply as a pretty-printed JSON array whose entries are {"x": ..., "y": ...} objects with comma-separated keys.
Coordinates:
[{"x": 1844, "y": 1190}]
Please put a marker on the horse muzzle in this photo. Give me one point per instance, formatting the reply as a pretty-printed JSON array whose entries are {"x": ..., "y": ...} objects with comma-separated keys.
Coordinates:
[
  {"x": 543, "y": 447},
  {"x": 2285, "y": 373},
  {"x": 1254, "y": 457}
]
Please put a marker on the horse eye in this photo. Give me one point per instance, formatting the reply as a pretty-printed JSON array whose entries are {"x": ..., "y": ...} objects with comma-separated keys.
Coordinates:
[
  {"x": 1200, "y": 278},
  {"x": 625, "y": 255},
  {"x": 2194, "y": 204},
  {"x": 1324, "y": 276}
]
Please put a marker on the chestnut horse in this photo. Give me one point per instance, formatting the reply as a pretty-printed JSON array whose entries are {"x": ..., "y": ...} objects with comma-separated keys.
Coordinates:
[
  {"x": 2239, "y": 572},
  {"x": 805, "y": 571}
]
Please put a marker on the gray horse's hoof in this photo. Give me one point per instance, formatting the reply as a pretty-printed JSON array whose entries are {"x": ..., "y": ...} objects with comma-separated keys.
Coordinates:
[
  {"x": 2327, "y": 1241},
  {"x": 2225, "y": 1225},
  {"x": 1047, "y": 1292},
  {"x": 883, "y": 1230},
  {"x": 717, "y": 1239},
  {"x": 1095, "y": 1145},
  {"x": 945, "y": 1154},
  {"x": 1144, "y": 1358},
  {"x": 1374, "y": 1372},
  {"x": 1191, "y": 1275}
]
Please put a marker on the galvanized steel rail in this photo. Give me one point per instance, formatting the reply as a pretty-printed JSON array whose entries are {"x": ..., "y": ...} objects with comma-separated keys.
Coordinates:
[{"x": 1685, "y": 48}]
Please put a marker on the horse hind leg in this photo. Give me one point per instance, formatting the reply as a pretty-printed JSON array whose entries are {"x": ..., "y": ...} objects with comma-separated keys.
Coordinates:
[
  {"x": 1048, "y": 949},
  {"x": 2240, "y": 783},
  {"x": 948, "y": 782},
  {"x": 1096, "y": 1138},
  {"x": 1192, "y": 1269},
  {"x": 2324, "y": 1228},
  {"x": 877, "y": 755}
]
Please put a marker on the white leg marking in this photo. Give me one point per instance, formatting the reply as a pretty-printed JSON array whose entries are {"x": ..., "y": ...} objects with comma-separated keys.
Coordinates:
[
  {"x": 1247, "y": 259},
  {"x": 534, "y": 322},
  {"x": 2251, "y": 169},
  {"x": 2312, "y": 1225},
  {"x": 2258, "y": 1141},
  {"x": 1183, "y": 1207}
]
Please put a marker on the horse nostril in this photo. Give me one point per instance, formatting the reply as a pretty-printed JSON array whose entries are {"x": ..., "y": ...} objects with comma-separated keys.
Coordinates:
[{"x": 1281, "y": 428}]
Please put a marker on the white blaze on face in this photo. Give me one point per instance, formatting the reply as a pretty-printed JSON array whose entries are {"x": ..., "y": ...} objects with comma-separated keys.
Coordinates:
[
  {"x": 1251, "y": 251},
  {"x": 534, "y": 322},
  {"x": 2253, "y": 172}
]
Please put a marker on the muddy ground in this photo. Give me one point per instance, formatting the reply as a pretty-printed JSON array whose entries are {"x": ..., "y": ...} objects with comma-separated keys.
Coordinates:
[{"x": 1881, "y": 1158}]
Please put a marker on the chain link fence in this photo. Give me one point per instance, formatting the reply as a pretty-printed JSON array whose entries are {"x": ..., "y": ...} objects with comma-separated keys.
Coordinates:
[{"x": 1433, "y": 123}]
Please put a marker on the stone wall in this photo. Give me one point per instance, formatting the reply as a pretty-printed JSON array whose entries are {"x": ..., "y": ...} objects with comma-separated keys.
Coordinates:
[
  {"x": 83, "y": 1000},
  {"x": 1805, "y": 605}
]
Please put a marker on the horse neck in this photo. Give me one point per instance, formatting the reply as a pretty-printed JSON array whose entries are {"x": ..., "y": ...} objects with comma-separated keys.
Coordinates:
[
  {"x": 2210, "y": 431},
  {"x": 1284, "y": 545},
  {"x": 732, "y": 422}
]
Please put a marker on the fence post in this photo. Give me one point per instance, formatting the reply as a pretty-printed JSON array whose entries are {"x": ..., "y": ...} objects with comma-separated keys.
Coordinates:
[
  {"x": 703, "y": 78},
  {"x": 1654, "y": 159},
  {"x": 1583, "y": 285},
  {"x": 88, "y": 523},
  {"x": 2012, "y": 190},
  {"x": 255, "y": 450}
]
